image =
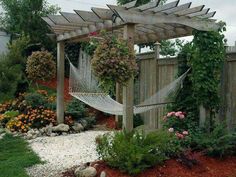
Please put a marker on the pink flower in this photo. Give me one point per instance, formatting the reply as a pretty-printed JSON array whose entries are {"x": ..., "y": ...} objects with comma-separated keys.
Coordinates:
[
  {"x": 181, "y": 116},
  {"x": 177, "y": 114},
  {"x": 170, "y": 114},
  {"x": 185, "y": 132},
  {"x": 171, "y": 130},
  {"x": 93, "y": 33},
  {"x": 179, "y": 135}
]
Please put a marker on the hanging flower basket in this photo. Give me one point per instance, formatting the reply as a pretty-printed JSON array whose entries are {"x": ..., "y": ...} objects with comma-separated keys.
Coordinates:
[{"x": 113, "y": 61}]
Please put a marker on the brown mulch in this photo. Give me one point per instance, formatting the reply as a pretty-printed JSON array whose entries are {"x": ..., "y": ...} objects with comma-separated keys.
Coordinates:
[
  {"x": 206, "y": 167},
  {"x": 107, "y": 120},
  {"x": 53, "y": 85}
]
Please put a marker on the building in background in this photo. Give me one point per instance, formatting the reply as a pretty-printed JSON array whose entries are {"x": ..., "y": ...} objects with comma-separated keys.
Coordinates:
[{"x": 4, "y": 39}]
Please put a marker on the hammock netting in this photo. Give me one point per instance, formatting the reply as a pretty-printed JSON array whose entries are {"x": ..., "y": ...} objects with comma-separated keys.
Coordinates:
[{"x": 84, "y": 86}]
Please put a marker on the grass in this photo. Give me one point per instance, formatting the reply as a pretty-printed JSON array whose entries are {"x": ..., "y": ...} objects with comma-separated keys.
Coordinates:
[{"x": 15, "y": 156}]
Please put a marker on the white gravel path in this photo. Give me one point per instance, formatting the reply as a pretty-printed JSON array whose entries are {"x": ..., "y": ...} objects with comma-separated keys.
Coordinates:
[{"x": 62, "y": 152}]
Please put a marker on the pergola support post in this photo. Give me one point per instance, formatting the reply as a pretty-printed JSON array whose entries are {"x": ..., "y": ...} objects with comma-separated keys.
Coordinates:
[
  {"x": 60, "y": 81},
  {"x": 128, "y": 90}
]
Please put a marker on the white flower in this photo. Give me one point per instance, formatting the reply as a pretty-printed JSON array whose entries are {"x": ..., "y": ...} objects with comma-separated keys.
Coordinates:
[{"x": 171, "y": 130}]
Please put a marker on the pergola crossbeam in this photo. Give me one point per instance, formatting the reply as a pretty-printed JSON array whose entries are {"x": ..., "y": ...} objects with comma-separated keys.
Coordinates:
[
  {"x": 178, "y": 8},
  {"x": 103, "y": 14},
  {"x": 130, "y": 4},
  {"x": 151, "y": 19},
  {"x": 88, "y": 16},
  {"x": 165, "y": 7},
  {"x": 149, "y": 5},
  {"x": 209, "y": 15},
  {"x": 203, "y": 12},
  {"x": 190, "y": 10}
]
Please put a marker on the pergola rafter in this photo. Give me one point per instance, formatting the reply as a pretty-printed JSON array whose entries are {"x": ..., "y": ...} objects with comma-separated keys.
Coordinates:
[
  {"x": 151, "y": 19},
  {"x": 147, "y": 23}
]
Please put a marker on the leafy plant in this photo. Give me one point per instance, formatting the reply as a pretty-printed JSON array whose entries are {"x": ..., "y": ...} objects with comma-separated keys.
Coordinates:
[
  {"x": 75, "y": 108},
  {"x": 9, "y": 78},
  {"x": 7, "y": 116},
  {"x": 34, "y": 118},
  {"x": 41, "y": 66},
  {"x": 113, "y": 61},
  {"x": 218, "y": 143},
  {"x": 35, "y": 100},
  {"x": 28, "y": 19},
  {"x": 134, "y": 152},
  {"x": 206, "y": 66}
]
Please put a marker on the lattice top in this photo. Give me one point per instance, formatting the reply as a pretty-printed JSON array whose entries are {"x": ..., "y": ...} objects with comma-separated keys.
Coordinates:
[{"x": 153, "y": 22}]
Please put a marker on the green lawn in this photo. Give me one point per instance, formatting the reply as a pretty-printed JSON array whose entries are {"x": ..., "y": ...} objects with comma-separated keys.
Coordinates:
[{"x": 15, "y": 156}]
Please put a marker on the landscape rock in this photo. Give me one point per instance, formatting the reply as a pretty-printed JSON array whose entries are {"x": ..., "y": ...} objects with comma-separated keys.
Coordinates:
[
  {"x": 84, "y": 123},
  {"x": 87, "y": 172},
  {"x": 61, "y": 128},
  {"x": 29, "y": 136},
  {"x": 77, "y": 127},
  {"x": 48, "y": 130},
  {"x": 2, "y": 130},
  {"x": 2, "y": 135},
  {"x": 103, "y": 174},
  {"x": 53, "y": 134}
]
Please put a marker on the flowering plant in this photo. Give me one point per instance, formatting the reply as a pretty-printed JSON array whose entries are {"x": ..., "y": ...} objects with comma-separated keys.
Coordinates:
[
  {"x": 34, "y": 118},
  {"x": 113, "y": 61},
  {"x": 175, "y": 122}
]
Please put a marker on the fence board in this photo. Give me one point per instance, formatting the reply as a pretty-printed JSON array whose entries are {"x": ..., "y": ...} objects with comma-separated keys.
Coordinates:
[{"x": 166, "y": 73}]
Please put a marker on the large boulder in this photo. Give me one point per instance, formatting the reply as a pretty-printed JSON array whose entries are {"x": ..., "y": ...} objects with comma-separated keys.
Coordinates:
[
  {"x": 61, "y": 128},
  {"x": 77, "y": 127},
  {"x": 85, "y": 172}
]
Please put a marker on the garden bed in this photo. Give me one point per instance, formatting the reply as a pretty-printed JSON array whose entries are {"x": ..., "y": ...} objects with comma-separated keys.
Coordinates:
[
  {"x": 206, "y": 167},
  {"x": 53, "y": 85}
]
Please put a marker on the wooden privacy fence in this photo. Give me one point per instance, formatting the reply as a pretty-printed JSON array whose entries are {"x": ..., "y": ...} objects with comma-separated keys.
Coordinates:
[{"x": 165, "y": 73}]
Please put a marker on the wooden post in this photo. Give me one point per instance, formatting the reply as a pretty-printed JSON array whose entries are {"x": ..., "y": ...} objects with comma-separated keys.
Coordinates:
[
  {"x": 60, "y": 81},
  {"x": 153, "y": 117},
  {"x": 128, "y": 90},
  {"x": 118, "y": 99},
  {"x": 204, "y": 115}
]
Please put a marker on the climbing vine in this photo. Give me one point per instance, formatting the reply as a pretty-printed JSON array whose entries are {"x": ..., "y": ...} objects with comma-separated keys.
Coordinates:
[
  {"x": 206, "y": 64},
  {"x": 205, "y": 56}
]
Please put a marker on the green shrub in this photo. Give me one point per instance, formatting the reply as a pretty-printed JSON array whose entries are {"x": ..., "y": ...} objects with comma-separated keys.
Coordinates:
[
  {"x": 218, "y": 143},
  {"x": 9, "y": 78},
  {"x": 41, "y": 66},
  {"x": 35, "y": 100},
  {"x": 75, "y": 108},
  {"x": 134, "y": 152},
  {"x": 88, "y": 122}
]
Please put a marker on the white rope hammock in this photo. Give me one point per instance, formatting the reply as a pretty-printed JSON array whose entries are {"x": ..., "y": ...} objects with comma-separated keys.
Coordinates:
[{"x": 83, "y": 86}]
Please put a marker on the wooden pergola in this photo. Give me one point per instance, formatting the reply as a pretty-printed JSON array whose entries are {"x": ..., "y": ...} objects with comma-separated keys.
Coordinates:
[{"x": 143, "y": 24}]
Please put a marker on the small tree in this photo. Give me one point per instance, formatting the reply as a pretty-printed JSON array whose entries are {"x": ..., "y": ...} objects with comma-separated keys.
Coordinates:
[
  {"x": 41, "y": 66},
  {"x": 24, "y": 17}
]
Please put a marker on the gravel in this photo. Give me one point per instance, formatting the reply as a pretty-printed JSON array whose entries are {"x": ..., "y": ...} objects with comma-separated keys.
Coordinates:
[{"x": 62, "y": 152}]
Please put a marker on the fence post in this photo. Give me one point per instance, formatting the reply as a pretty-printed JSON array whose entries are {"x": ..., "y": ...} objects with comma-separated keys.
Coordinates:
[{"x": 153, "y": 114}]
